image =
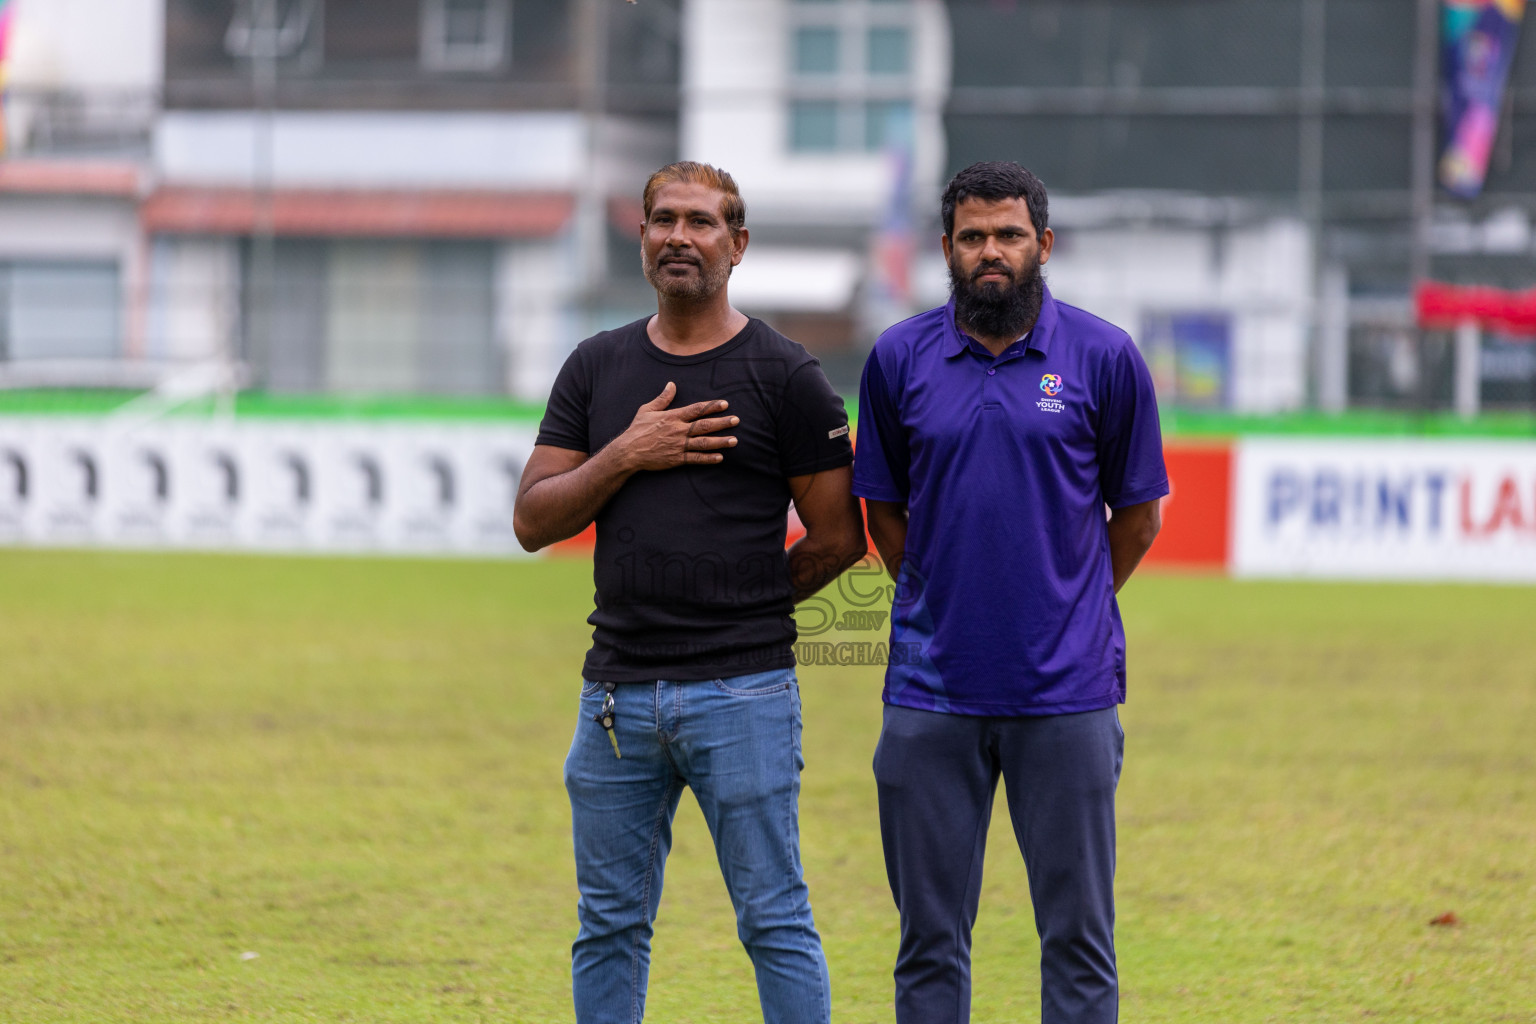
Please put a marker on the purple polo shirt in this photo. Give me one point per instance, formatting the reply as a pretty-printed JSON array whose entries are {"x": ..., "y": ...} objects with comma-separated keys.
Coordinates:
[{"x": 1006, "y": 604}]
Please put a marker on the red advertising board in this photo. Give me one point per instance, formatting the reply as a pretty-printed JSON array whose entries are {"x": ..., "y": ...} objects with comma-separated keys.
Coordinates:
[{"x": 1197, "y": 511}]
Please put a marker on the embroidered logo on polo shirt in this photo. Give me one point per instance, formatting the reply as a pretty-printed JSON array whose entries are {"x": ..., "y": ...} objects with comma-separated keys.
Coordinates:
[{"x": 1051, "y": 385}]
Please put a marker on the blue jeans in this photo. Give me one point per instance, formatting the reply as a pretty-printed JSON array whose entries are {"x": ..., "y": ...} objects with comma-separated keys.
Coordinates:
[
  {"x": 736, "y": 743},
  {"x": 936, "y": 775}
]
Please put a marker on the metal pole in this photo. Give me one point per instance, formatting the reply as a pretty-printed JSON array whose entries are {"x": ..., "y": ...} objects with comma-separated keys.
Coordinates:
[
  {"x": 1422, "y": 173},
  {"x": 1309, "y": 181},
  {"x": 1469, "y": 350},
  {"x": 1333, "y": 339},
  {"x": 1422, "y": 176},
  {"x": 591, "y": 213},
  {"x": 262, "y": 300},
  {"x": 1314, "y": 40}
]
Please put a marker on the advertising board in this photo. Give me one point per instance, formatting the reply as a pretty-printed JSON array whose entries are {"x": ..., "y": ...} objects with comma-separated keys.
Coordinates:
[
  {"x": 1385, "y": 509},
  {"x": 295, "y": 486},
  {"x": 1197, "y": 511},
  {"x": 1377, "y": 508}
]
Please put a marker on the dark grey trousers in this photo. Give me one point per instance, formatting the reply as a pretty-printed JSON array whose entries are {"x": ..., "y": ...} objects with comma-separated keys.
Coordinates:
[{"x": 936, "y": 775}]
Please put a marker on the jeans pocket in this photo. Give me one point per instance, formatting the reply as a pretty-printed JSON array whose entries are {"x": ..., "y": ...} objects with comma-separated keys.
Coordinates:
[
  {"x": 758, "y": 684},
  {"x": 589, "y": 687}
]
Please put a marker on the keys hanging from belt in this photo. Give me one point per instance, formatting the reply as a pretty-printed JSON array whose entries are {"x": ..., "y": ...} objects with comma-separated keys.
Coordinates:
[{"x": 607, "y": 716}]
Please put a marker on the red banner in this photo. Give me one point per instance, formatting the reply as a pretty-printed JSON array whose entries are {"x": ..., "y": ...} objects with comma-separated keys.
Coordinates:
[{"x": 1440, "y": 306}]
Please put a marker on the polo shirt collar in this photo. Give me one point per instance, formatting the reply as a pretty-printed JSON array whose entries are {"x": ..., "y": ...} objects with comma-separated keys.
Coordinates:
[{"x": 956, "y": 342}]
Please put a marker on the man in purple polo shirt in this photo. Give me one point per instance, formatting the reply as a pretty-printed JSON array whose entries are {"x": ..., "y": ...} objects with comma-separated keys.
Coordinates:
[{"x": 993, "y": 433}]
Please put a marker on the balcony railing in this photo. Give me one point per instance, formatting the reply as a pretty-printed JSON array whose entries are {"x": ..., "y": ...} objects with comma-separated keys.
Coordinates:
[{"x": 47, "y": 122}]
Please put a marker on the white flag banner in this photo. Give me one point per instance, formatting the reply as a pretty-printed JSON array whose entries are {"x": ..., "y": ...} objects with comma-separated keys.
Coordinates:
[
  {"x": 292, "y": 486},
  {"x": 1385, "y": 509}
]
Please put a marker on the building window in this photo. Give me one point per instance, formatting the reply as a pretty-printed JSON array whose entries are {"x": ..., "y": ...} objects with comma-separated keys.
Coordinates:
[
  {"x": 59, "y": 310},
  {"x": 850, "y": 74},
  {"x": 813, "y": 126},
  {"x": 373, "y": 316},
  {"x": 887, "y": 123},
  {"x": 465, "y": 35},
  {"x": 887, "y": 50},
  {"x": 272, "y": 29},
  {"x": 816, "y": 50}
]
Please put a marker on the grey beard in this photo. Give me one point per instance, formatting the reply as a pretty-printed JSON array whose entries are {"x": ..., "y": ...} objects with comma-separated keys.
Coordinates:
[
  {"x": 709, "y": 282},
  {"x": 999, "y": 312}
]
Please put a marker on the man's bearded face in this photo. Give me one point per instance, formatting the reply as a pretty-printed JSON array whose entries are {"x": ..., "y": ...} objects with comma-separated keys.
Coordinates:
[
  {"x": 995, "y": 299},
  {"x": 686, "y": 248}
]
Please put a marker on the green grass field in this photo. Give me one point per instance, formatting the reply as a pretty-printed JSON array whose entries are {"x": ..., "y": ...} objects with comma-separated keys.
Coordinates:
[{"x": 351, "y": 769}]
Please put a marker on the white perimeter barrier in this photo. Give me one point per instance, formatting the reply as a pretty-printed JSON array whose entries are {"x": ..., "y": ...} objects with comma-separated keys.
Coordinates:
[
  {"x": 1385, "y": 509},
  {"x": 294, "y": 486}
]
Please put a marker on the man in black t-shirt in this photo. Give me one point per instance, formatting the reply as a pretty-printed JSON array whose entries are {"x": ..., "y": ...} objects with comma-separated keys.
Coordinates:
[{"x": 684, "y": 437}]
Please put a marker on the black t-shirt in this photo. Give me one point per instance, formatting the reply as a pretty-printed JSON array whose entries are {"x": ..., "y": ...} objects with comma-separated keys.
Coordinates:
[{"x": 691, "y": 573}]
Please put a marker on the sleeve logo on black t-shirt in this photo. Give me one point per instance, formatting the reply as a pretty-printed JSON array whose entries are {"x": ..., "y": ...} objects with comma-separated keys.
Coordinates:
[{"x": 833, "y": 435}]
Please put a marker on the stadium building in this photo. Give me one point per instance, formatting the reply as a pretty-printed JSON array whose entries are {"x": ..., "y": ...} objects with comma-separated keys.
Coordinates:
[{"x": 438, "y": 196}]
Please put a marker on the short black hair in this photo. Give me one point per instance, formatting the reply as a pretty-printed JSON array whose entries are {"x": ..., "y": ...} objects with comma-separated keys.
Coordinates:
[{"x": 993, "y": 180}]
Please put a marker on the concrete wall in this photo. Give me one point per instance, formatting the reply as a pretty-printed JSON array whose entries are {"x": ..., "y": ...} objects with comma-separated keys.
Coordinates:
[
  {"x": 194, "y": 305},
  {"x": 537, "y": 322},
  {"x": 88, "y": 44},
  {"x": 373, "y": 150},
  {"x": 1261, "y": 275}
]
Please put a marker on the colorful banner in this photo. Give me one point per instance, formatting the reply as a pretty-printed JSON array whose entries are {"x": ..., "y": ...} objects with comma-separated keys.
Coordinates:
[
  {"x": 1190, "y": 356},
  {"x": 7, "y": 17},
  {"x": 1477, "y": 47}
]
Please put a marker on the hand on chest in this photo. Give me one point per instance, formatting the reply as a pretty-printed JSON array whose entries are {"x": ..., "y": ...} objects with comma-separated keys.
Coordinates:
[{"x": 617, "y": 398}]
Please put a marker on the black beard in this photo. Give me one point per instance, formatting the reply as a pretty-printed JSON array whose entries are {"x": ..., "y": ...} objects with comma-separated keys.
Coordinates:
[{"x": 998, "y": 311}]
